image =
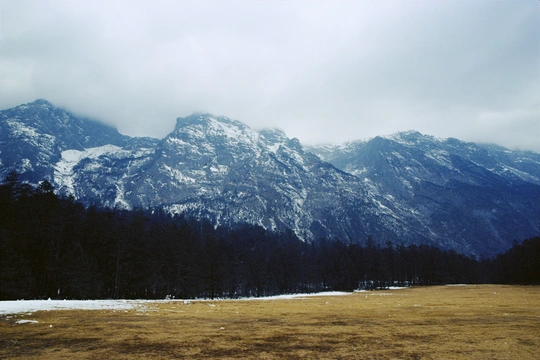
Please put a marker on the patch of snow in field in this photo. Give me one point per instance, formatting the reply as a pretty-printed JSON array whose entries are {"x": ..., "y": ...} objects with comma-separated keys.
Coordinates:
[
  {"x": 295, "y": 296},
  {"x": 28, "y": 306}
]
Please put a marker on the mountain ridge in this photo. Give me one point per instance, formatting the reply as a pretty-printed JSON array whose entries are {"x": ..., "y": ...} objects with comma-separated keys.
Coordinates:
[{"x": 406, "y": 188}]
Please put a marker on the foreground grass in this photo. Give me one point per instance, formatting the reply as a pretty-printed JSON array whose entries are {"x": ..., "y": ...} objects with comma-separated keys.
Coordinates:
[{"x": 450, "y": 322}]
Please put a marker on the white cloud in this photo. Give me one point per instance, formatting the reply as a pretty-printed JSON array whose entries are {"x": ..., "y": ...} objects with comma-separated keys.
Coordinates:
[{"x": 322, "y": 71}]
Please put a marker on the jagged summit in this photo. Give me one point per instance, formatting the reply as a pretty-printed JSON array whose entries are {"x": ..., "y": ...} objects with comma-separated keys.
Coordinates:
[
  {"x": 41, "y": 102},
  {"x": 208, "y": 119},
  {"x": 209, "y": 126},
  {"x": 273, "y": 133},
  {"x": 34, "y": 135},
  {"x": 412, "y": 134},
  {"x": 43, "y": 117},
  {"x": 406, "y": 188}
]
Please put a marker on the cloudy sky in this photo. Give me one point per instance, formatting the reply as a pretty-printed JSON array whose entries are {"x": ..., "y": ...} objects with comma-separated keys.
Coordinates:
[{"x": 322, "y": 71}]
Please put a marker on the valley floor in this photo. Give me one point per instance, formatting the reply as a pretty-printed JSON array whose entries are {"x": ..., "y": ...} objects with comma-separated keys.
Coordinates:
[{"x": 450, "y": 322}]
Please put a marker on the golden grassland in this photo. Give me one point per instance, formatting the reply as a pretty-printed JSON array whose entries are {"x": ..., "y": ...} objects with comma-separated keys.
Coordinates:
[{"x": 442, "y": 322}]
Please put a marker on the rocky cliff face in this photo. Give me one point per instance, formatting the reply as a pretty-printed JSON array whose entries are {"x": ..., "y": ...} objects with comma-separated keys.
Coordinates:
[
  {"x": 407, "y": 188},
  {"x": 221, "y": 169},
  {"x": 467, "y": 196},
  {"x": 33, "y": 136}
]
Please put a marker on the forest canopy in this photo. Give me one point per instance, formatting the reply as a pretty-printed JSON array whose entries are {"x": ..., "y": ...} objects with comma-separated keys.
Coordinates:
[{"x": 54, "y": 247}]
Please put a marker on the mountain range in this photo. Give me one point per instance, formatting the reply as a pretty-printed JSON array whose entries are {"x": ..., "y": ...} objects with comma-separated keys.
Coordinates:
[{"x": 406, "y": 188}]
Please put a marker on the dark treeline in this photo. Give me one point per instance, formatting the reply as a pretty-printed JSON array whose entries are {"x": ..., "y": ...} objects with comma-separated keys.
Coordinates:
[
  {"x": 54, "y": 247},
  {"x": 519, "y": 265}
]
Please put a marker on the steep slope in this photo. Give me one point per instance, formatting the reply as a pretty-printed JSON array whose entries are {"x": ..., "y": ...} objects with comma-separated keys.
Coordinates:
[
  {"x": 471, "y": 197},
  {"x": 33, "y": 136},
  {"x": 221, "y": 169},
  {"x": 83, "y": 157},
  {"x": 406, "y": 188},
  {"x": 210, "y": 167},
  {"x": 102, "y": 174}
]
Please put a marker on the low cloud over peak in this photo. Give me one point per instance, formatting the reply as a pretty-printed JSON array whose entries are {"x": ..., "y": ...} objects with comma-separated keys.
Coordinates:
[{"x": 321, "y": 71}]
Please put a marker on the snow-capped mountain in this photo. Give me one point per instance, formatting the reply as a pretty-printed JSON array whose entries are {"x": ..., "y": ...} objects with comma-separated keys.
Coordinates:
[
  {"x": 407, "y": 188},
  {"x": 475, "y": 198},
  {"x": 32, "y": 137},
  {"x": 80, "y": 156},
  {"x": 220, "y": 169}
]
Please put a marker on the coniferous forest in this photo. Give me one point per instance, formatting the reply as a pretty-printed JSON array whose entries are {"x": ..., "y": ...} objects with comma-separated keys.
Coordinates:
[{"x": 54, "y": 247}]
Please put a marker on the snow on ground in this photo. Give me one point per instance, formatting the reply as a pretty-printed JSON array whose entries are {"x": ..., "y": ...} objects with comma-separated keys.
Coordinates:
[
  {"x": 23, "y": 321},
  {"x": 30, "y": 306},
  {"x": 296, "y": 296}
]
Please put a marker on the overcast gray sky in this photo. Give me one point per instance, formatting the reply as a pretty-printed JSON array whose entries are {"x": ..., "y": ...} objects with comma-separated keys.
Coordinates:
[{"x": 322, "y": 71}]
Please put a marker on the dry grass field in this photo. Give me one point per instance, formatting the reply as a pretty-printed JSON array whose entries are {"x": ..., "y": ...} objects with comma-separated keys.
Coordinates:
[{"x": 445, "y": 322}]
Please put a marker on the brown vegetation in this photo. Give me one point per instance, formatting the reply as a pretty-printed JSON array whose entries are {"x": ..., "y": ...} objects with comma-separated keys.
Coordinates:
[{"x": 450, "y": 322}]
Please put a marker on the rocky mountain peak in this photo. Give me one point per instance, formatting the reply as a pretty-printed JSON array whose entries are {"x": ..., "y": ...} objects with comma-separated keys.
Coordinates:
[
  {"x": 407, "y": 188},
  {"x": 206, "y": 120},
  {"x": 208, "y": 127},
  {"x": 40, "y": 102},
  {"x": 274, "y": 135}
]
